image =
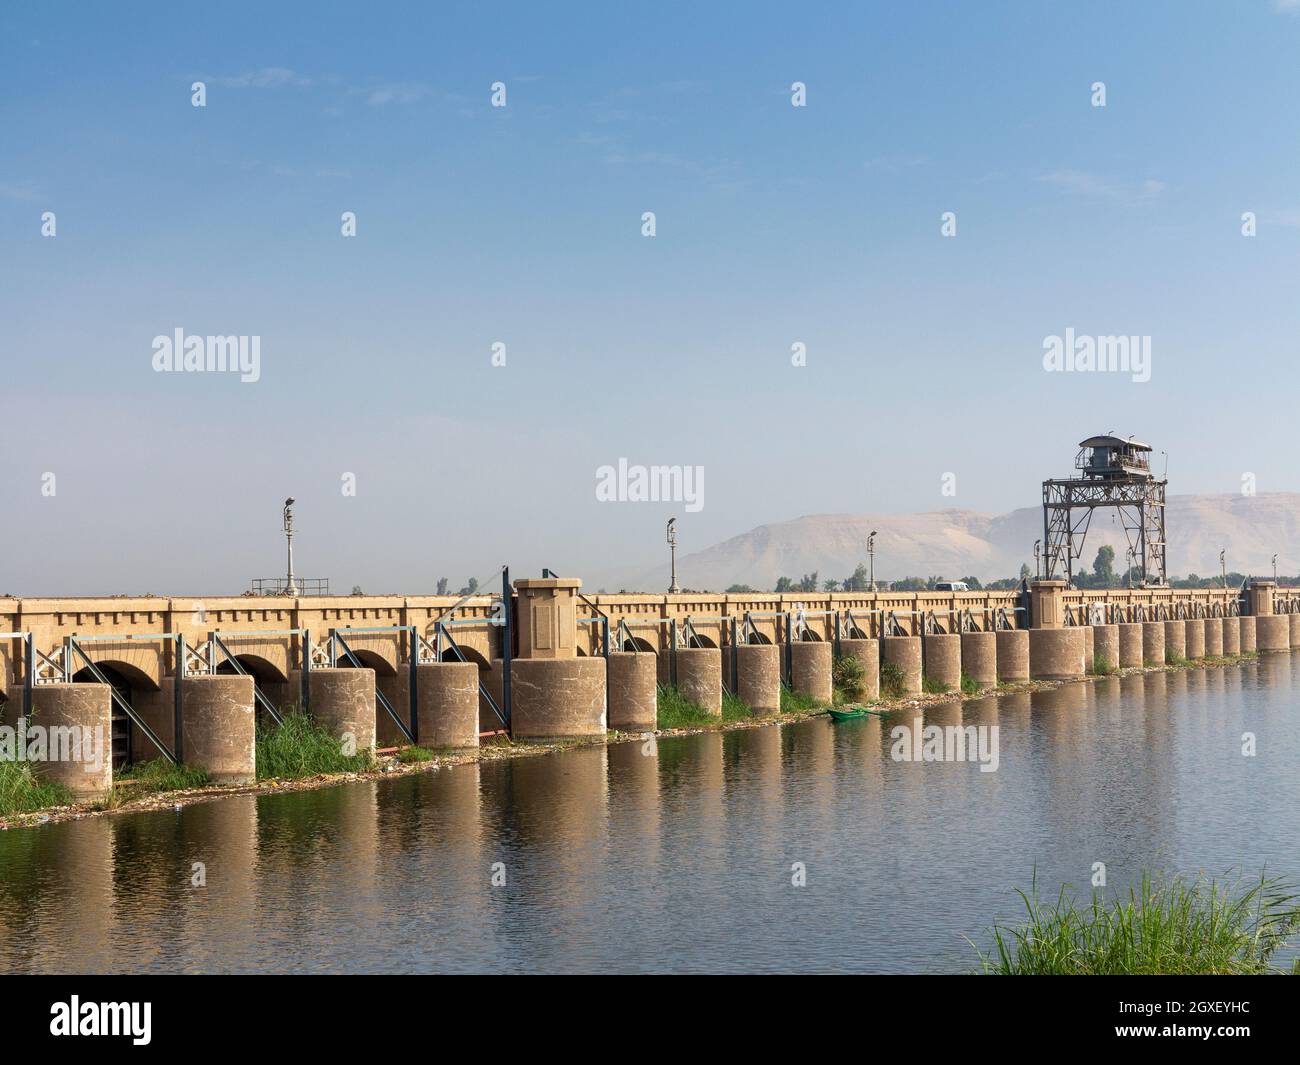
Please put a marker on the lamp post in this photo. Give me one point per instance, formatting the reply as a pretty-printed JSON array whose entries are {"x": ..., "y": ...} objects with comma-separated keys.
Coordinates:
[
  {"x": 672, "y": 548},
  {"x": 871, "y": 555},
  {"x": 1128, "y": 558},
  {"x": 1275, "y": 569},
  {"x": 1223, "y": 569},
  {"x": 1038, "y": 569},
  {"x": 289, "y": 588}
]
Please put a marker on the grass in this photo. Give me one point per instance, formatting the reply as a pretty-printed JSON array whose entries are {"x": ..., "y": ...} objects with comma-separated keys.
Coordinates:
[
  {"x": 1164, "y": 927},
  {"x": 891, "y": 681},
  {"x": 22, "y": 792},
  {"x": 301, "y": 748},
  {"x": 1172, "y": 659},
  {"x": 793, "y": 702},
  {"x": 734, "y": 708},
  {"x": 847, "y": 676},
  {"x": 933, "y": 687},
  {"x": 1103, "y": 667},
  {"x": 415, "y": 754},
  {"x": 674, "y": 710},
  {"x": 970, "y": 686}
]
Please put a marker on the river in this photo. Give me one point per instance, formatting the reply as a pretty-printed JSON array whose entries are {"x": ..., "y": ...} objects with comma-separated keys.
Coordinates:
[{"x": 681, "y": 855}]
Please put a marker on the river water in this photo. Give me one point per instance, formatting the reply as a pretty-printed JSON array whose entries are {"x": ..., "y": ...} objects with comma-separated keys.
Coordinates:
[{"x": 682, "y": 857}]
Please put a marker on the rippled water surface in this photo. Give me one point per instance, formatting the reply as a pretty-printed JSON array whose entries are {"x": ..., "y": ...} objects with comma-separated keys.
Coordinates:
[{"x": 680, "y": 859}]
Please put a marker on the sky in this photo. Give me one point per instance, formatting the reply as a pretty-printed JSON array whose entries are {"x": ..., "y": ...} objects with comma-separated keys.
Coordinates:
[{"x": 377, "y": 404}]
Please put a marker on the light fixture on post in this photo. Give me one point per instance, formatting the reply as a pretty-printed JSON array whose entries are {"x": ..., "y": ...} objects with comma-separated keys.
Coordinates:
[
  {"x": 871, "y": 555},
  {"x": 289, "y": 588},
  {"x": 672, "y": 547}
]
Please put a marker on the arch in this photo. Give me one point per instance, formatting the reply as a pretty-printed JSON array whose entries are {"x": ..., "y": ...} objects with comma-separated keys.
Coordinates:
[
  {"x": 125, "y": 679},
  {"x": 368, "y": 660},
  {"x": 262, "y": 671},
  {"x": 118, "y": 673},
  {"x": 759, "y": 637},
  {"x": 471, "y": 655},
  {"x": 701, "y": 641},
  {"x": 809, "y": 636},
  {"x": 856, "y": 633},
  {"x": 636, "y": 643}
]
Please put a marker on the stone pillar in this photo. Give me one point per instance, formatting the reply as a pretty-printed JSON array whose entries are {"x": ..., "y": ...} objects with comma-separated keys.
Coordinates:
[
  {"x": 447, "y": 705},
  {"x": 1047, "y": 604},
  {"x": 557, "y": 698},
  {"x": 758, "y": 676},
  {"x": 1248, "y": 645},
  {"x": 547, "y": 613},
  {"x": 1105, "y": 646},
  {"x": 903, "y": 653},
  {"x": 1272, "y": 633},
  {"x": 699, "y": 677},
  {"x": 1232, "y": 636},
  {"x": 868, "y": 653},
  {"x": 1013, "y": 655},
  {"x": 1175, "y": 640},
  {"x": 1056, "y": 654},
  {"x": 1260, "y": 596},
  {"x": 219, "y": 731},
  {"x": 1130, "y": 645},
  {"x": 632, "y": 691},
  {"x": 1295, "y": 629},
  {"x": 979, "y": 657},
  {"x": 1087, "y": 647},
  {"x": 943, "y": 660},
  {"x": 810, "y": 669},
  {"x": 343, "y": 701},
  {"x": 77, "y": 720},
  {"x": 1195, "y": 638},
  {"x": 1153, "y": 643},
  {"x": 1213, "y": 637}
]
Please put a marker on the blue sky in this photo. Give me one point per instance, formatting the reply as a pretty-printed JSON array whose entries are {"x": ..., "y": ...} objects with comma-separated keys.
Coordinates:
[{"x": 522, "y": 225}]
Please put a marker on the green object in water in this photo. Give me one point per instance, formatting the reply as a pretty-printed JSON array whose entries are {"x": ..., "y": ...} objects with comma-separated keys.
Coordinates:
[{"x": 852, "y": 713}]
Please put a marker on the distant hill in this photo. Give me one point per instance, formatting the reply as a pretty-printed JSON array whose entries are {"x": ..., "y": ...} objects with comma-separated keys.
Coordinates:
[{"x": 957, "y": 543}]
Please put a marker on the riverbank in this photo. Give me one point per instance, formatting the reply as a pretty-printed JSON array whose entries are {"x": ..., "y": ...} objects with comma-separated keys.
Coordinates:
[{"x": 392, "y": 764}]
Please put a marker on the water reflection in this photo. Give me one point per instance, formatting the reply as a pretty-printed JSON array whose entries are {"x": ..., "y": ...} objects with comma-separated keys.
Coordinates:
[{"x": 682, "y": 854}]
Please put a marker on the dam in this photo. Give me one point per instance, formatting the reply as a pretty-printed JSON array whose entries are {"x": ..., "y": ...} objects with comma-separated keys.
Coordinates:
[{"x": 188, "y": 678}]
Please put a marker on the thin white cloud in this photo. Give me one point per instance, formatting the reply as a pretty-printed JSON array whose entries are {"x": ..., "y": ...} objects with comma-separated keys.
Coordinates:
[
  {"x": 266, "y": 78},
  {"x": 1097, "y": 187},
  {"x": 24, "y": 191}
]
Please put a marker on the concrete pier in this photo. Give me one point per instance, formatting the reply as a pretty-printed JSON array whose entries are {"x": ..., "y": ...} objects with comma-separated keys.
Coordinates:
[
  {"x": 699, "y": 677},
  {"x": 868, "y": 653},
  {"x": 1130, "y": 645},
  {"x": 1153, "y": 643},
  {"x": 219, "y": 732},
  {"x": 1056, "y": 654},
  {"x": 77, "y": 726},
  {"x": 343, "y": 702},
  {"x": 558, "y": 698},
  {"x": 903, "y": 653},
  {"x": 1175, "y": 640},
  {"x": 447, "y": 705},
  {"x": 758, "y": 676},
  {"x": 1272, "y": 633},
  {"x": 979, "y": 657},
  {"x": 1013, "y": 655},
  {"x": 943, "y": 660},
  {"x": 1231, "y": 636},
  {"x": 1195, "y": 637},
  {"x": 1248, "y": 645},
  {"x": 1088, "y": 637},
  {"x": 1105, "y": 645},
  {"x": 1295, "y": 629},
  {"x": 1213, "y": 637},
  {"x": 810, "y": 668},
  {"x": 633, "y": 695}
]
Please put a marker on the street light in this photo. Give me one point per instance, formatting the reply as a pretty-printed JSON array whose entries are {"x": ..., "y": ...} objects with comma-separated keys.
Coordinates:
[
  {"x": 1275, "y": 569},
  {"x": 871, "y": 554},
  {"x": 672, "y": 547},
  {"x": 1038, "y": 569},
  {"x": 1223, "y": 568},
  {"x": 289, "y": 588}
]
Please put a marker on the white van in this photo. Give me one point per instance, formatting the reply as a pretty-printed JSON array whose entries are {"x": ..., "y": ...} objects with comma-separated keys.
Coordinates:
[{"x": 951, "y": 586}]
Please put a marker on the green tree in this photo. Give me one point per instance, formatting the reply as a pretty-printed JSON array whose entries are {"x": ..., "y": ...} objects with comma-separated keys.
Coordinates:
[
  {"x": 1024, "y": 571},
  {"x": 1103, "y": 567},
  {"x": 809, "y": 582},
  {"x": 860, "y": 581},
  {"x": 739, "y": 589},
  {"x": 830, "y": 585},
  {"x": 784, "y": 584},
  {"x": 442, "y": 585}
]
